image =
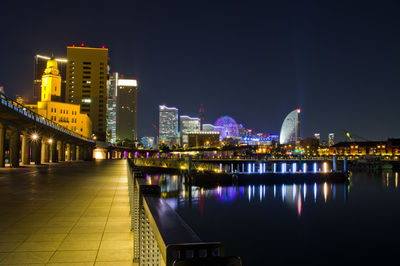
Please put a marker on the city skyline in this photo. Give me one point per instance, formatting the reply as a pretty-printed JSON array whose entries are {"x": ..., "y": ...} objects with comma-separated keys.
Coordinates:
[{"x": 336, "y": 61}]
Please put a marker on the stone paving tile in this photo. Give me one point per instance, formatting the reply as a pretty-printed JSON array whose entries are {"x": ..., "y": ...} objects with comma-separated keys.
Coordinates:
[
  {"x": 64, "y": 219},
  {"x": 80, "y": 245},
  {"x": 38, "y": 246},
  {"x": 9, "y": 246},
  {"x": 116, "y": 244},
  {"x": 46, "y": 237},
  {"x": 74, "y": 256},
  {"x": 108, "y": 255},
  {"x": 26, "y": 258}
]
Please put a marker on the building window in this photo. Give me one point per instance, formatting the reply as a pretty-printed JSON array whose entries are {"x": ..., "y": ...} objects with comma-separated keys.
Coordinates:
[{"x": 87, "y": 63}]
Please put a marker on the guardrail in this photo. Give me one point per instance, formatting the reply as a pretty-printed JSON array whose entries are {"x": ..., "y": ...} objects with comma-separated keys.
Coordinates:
[
  {"x": 161, "y": 237},
  {"x": 29, "y": 113}
]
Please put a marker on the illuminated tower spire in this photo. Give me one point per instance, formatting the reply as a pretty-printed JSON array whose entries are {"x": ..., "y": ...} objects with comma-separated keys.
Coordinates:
[{"x": 51, "y": 82}]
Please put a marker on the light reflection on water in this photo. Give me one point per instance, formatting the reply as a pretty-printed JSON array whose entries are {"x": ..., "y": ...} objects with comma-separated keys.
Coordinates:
[
  {"x": 178, "y": 194},
  {"x": 259, "y": 221}
]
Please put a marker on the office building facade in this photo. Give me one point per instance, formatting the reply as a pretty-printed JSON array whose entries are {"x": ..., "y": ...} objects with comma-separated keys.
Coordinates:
[
  {"x": 203, "y": 139},
  {"x": 121, "y": 109},
  {"x": 331, "y": 139},
  {"x": 168, "y": 125},
  {"x": 126, "y": 117},
  {"x": 111, "y": 128},
  {"x": 87, "y": 74},
  {"x": 188, "y": 124}
]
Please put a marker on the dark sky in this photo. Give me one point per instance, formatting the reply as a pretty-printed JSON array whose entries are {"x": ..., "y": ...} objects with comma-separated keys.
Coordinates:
[{"x": 255, "y": 61}]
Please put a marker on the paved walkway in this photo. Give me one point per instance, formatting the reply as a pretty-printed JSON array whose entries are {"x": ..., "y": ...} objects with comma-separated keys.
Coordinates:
[{"x": 65, "y": 214}]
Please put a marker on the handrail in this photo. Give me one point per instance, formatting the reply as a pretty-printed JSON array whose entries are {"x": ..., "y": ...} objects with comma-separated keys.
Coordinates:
[
  {"x": 161, "y": 237},
  {"x": 26, "y": 111}
]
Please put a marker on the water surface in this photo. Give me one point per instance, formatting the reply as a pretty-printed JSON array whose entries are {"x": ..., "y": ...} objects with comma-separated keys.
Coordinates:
[{"x": 314, "y": 224}]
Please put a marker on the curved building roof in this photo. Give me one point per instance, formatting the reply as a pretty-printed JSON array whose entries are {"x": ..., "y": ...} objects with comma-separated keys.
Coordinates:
[{"x": 290, "y": 131}]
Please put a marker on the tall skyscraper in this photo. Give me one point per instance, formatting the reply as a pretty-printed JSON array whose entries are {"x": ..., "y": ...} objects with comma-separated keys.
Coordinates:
[
  {"x": 318, "y": 137},
  {"x": 87, "y": 71},
  {"x": 121, "y": 108},
  {"x": 188, "y": 124},
  {"x": 111, "y": 127},
  {"x": 126, "y": 109},
  {"x": 168, "y": 125},
  {"x": 331, "y": 139},
  {"x": 40, "y": 62},
  {"x": 290, "y": 130}
]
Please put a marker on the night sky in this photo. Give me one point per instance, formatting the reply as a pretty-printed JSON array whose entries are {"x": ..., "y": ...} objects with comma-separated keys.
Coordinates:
[{"x": 255, "y": 61}]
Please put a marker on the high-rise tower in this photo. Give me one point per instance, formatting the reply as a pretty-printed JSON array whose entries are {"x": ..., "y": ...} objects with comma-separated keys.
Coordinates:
[
  {"x": 168, "y": 125},
  {"x": 126, "y": 109},
  {"x": 87, "y": 71}
]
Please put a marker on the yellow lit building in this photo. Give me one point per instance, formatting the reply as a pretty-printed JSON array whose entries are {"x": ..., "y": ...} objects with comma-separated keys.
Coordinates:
[
  {"x": 66, "y": 114},
  {"x": 87, "y": 84}
]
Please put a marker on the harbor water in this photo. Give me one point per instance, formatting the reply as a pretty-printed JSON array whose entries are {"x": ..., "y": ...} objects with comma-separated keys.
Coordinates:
[{"x": 352, "y": 223}]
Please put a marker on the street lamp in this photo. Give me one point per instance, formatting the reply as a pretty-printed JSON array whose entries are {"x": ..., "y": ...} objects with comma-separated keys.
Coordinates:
[{"x": 34, "y": 136}]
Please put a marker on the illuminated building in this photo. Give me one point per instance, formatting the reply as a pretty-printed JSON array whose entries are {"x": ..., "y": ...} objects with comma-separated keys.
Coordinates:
[
  {"x": 126, "y": 109},
  {"x": 121, "y": 109},
  {"x": 168, "y": 125},
  {"x": 208, "y": 128},
  {"x": 249, "y": 140},
  {"x": 318, "y": 137},
  {"x": 362, "y": 148},
  {"x": 290, "y": 131},
  {"x": 331, "y": 139},
  {"x": 148, "y": 142},
  {"x": 203, "y": 139},
  {"x": 111, "y": 127},
  {"x": 66, "y": 114},
  {"x": 40, "y": 62},
  {"x": 227, "y": 127},
  {"x": 188, "y": 124},
  {"x": 87, "y": 72}
]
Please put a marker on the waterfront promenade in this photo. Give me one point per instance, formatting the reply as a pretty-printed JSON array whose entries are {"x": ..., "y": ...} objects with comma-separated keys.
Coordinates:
[{"x": 74, "y": 213}]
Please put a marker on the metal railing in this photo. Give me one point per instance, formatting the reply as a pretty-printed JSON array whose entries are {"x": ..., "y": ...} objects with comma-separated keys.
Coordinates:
[
  {"x": 29, "y": 113},
  {"x": 161, "y": 237}
]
